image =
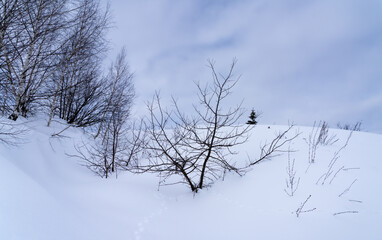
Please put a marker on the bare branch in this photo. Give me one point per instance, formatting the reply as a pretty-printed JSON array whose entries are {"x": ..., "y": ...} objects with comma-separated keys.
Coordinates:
[
  {"x": 11, "y": 134},
  {"x": 275, "y": 147}
]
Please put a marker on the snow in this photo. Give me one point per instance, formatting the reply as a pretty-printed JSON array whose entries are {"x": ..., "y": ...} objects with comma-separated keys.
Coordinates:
[{"x": 44, "y": 194}]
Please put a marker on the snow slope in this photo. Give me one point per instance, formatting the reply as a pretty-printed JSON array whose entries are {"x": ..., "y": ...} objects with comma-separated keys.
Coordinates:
[{"x": 44, "y": 194}]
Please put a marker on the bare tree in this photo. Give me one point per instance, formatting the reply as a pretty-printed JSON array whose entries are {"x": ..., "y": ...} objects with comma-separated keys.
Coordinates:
[
  {"x": 119, "y": 92},
  {"x": 120, "y": 141},
  {"x": 51, "y": 53},
  {"x": 119, "y": 96},
  {"x": 7, "y": 17},
  {"x": 78, "y": 66},
  {"x": 32, "y": 41},
  {"x": 197, "y": 148},
  {"x": 8, "y": 10},
  {"x": 81, "y": 105}
]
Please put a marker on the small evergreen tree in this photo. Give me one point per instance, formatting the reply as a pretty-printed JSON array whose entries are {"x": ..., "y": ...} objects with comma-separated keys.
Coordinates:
[{"x": 252, "y": 118}]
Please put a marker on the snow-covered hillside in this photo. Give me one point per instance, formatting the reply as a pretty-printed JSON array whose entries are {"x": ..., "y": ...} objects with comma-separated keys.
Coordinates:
[{"x": 46, "y": 195}]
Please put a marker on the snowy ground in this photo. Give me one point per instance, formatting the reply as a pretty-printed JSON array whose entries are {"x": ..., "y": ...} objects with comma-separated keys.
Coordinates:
[{"x": 45, "y": 195}]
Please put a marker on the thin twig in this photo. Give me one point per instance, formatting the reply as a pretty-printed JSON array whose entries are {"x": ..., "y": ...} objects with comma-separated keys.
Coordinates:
[
  {"x": 300, "y": 209},
  {"x": 336, "y": 174},
  {"x": 344, "y": 212},
  {"x": 348, "y": 188},
  {"x": 58, "y": 134}
]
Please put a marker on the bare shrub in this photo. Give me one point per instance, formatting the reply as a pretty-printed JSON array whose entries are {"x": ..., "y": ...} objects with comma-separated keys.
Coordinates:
[
  {"x": 331, "y": 171},
  {"x": 118, "y": 150},
  {"x": 323, "y": 137},
  {"x": 197, "y": 149},
  {"x": 291, "y": 181},
  {"x": 352, "y": 127},
  {"x": 319, "y": 136}
]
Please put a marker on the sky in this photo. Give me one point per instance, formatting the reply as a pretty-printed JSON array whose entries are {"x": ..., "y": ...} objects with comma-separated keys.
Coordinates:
[{"x": 298, "y": 61}]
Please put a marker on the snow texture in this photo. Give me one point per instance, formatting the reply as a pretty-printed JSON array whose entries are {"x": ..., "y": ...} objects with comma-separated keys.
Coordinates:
[{"x": 45, "y": 195}]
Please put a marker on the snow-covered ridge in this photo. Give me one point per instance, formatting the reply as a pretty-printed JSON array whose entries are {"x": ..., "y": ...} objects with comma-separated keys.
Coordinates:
[{"x": 44, "y": 194}]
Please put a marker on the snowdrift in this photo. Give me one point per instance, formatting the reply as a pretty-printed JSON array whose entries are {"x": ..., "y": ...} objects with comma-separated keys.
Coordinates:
[{"x": 44, "y": 194}]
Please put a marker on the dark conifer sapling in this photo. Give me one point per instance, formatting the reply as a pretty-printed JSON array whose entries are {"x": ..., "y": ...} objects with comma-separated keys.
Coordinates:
[{"x": 252, "y": 118}]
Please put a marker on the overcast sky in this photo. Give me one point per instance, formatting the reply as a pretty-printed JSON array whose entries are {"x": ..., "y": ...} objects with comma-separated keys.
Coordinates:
[{"x": 299, "y": 61}]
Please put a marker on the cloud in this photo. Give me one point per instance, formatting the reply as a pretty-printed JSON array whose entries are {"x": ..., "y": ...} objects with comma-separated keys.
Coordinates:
[{"x": 299, "y": 60}]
